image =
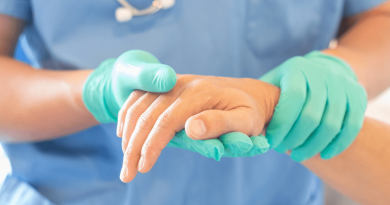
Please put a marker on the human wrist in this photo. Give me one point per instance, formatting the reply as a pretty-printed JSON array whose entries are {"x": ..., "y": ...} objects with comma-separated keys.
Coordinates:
[{"x": 265, "y": 94}]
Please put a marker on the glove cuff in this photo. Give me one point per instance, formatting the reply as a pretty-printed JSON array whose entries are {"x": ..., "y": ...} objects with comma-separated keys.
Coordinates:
[
  {"x": 333, "y": 62},
  {"x": 95, "y": 92}
]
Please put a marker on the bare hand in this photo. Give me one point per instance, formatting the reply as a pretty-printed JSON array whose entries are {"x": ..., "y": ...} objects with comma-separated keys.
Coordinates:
[{"x": 205, "y": 106}]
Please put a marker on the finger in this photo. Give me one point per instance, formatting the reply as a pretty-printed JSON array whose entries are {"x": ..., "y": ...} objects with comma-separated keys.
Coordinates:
[
  {"x": 141, "y": 131},
  {"x": 213, "y": 123},
  {"x": 311, "y": 114},
  {"x": 136, "y": 69},
  {"x": 212, "y": 148},
  {"x": 134, "y": 96},
  {"x": 357, "y": 103},
  {"x": 133, "y": 114},
  {"x": 260, "y": 146},
  {"x": 235, "y": 143},
  {"x": 172, "y": 120},
  {"x": 292, "y": 98},
  {"x": 330, "y": 125}
]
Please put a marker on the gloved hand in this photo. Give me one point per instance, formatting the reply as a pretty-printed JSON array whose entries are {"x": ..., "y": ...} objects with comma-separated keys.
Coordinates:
[
  {"x": 108, "y": 87},
  {"x": 321, "y": 106},
  {"x": 234, "y": 144}
]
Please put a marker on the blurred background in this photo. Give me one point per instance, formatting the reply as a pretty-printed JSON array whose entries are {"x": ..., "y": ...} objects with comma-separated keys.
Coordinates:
[{"x": 378, "y": 108}]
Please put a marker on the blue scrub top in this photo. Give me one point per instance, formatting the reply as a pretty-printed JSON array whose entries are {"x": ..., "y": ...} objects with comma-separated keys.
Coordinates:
[{"x": 236, "y": 38}]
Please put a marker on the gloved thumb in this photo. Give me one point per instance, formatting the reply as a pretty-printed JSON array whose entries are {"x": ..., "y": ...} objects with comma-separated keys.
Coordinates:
[{"x": 140, "y": 70}]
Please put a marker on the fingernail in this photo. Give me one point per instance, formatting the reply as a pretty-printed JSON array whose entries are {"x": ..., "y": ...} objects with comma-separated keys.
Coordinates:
[
  {"x": 141, "y": 163},
  {"x": 197, "y": 128},
  {"x": 123, "y": 172}
]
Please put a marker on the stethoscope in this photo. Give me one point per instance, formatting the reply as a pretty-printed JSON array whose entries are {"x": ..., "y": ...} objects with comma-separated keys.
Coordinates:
[{"x": 127, "y": 11}]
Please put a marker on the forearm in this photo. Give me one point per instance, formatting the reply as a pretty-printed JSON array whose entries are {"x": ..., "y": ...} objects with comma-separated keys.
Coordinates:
[
  {"x": 366, "y": 47},
  {"x": 40, "y": 104},
  {"x": 362, "y": 171}
]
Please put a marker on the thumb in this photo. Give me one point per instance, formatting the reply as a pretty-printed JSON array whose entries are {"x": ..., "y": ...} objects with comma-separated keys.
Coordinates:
[
  {"x": 214, "y": 123},
  {"x": 140, "y": 70}
]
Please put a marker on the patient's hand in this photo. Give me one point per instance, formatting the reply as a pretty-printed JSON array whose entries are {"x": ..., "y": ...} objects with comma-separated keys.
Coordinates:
[{"x": 205, "y": 106}]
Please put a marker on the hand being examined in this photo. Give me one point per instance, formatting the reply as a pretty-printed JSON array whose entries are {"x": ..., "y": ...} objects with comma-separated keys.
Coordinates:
[{"x": 207, "y": 107}]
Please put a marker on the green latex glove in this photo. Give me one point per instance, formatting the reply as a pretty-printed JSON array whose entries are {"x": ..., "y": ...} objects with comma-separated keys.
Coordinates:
[
  {"x": 234, "y": 144},
  {"x": 108, "y": 87},
  {"x": 321, "y": 106}
]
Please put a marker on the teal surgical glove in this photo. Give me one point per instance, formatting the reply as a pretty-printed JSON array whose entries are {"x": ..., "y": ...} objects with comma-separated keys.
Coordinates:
[
  {"x": 234, "y": 144},
  {"x": 108, "y": 87},
  {"x": 321, "y": 106}
]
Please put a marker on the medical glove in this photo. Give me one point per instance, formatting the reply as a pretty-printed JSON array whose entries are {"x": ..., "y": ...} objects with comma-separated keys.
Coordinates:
[
  {"x": 321, "y": 106},
  {"x": 234, "y": 144},
  {"x": 108, "y": 87}
]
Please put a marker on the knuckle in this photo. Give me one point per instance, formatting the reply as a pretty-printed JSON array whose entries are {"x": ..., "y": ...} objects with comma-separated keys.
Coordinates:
[
  {"x": 164, "y": 121},
  {"x": 127, "y": 153},
  {"x": 136, "y": 93},
  {"x": 131, "y": 112},
  {"x": 150, "y": 148},
  {"x": 201, "y": 84},
  {"x": 134, "y": 109},
  {"x": 183, "y": 79},
  {"x": 145, "y": 120}
]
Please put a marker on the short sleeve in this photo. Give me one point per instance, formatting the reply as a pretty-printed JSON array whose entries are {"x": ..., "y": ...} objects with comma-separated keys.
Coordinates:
[
  {"x": 353, "y": 7},
  {"x": 20, "y": 9}
]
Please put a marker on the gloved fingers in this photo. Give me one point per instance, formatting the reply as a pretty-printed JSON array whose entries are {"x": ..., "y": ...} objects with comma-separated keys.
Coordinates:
[
  {"x": 212, "y": 148},
  {"x": 260, "y": 146},
  {"x": 310, "y": 116},
  {"x": 213, "y": 123},
  {"x": 134, "y": 96},
  {"x": 292, "y": 98},
  {"x": 133, "y": 114},
  {"x": 357, "y": 103},
  {"x": 330, "y": 126},
  {"x": 236, "y": 143}
]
